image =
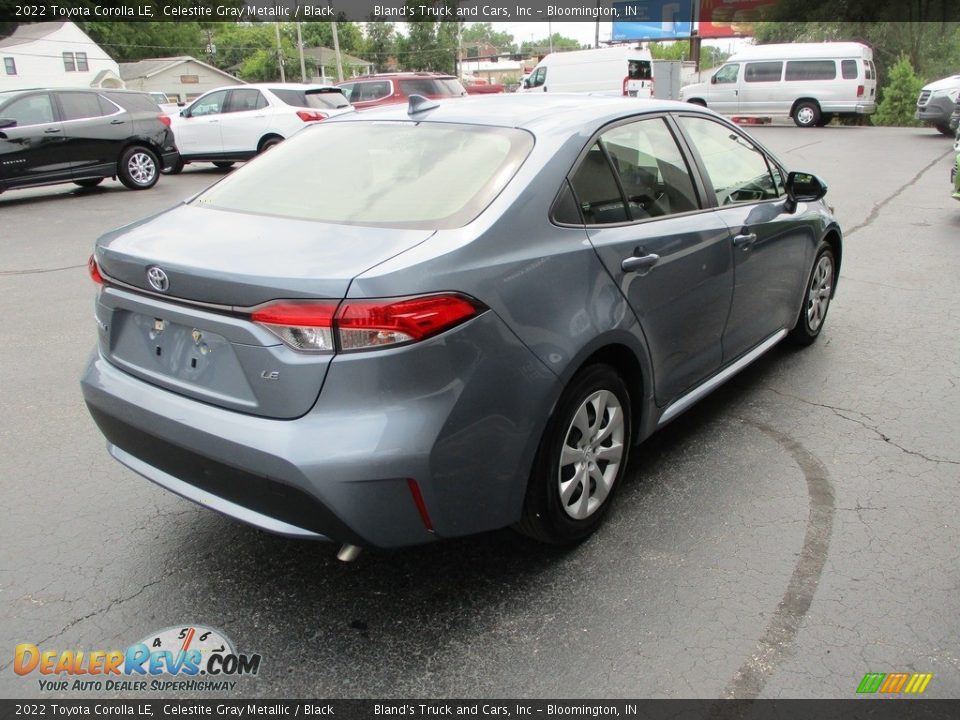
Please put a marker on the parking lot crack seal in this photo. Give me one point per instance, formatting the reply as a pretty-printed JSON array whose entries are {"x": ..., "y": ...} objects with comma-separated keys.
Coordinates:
[
  {"x": 781, "y": 632},
  {"x": 877, "y": 207},
  {"x": 40, "y": 271}
]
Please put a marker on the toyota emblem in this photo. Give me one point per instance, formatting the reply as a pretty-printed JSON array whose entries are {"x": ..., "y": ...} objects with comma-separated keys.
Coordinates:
[{"x": 158, "y": 279}]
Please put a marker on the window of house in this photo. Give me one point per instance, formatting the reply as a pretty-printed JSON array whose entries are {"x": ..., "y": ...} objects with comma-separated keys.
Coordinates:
[
  {"x": 10, "y": 65},
  {"x": 69, "y": 62},
  {"x": 82, "y": 65}
]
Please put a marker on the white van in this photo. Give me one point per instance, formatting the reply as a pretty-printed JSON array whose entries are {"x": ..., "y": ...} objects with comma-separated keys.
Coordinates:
[
  {"x": 620, "y": 70},
  {"x": 809, "y": 82}
]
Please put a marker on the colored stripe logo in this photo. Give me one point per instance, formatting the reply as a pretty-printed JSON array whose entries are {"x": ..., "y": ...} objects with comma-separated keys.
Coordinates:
[{"x": 893, "y": 683}]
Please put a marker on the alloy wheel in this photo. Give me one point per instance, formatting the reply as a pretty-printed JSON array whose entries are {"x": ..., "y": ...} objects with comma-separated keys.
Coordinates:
[{"x": 818, "y": 298}]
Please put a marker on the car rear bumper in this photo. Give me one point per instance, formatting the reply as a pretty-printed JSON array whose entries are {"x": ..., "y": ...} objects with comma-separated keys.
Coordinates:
[{"x": 461, "y": 414}]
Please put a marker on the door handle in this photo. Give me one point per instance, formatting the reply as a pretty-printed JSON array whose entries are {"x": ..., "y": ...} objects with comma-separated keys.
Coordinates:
[
  {"x": 641, "y": 264},
  {"x": 745, "y": 241},
  {"x": 51, "y": 131},
  {"x": 117, "y": 122}
]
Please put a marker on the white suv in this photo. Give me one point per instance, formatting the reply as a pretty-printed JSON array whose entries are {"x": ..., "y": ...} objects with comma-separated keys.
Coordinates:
[{"x": 235, "y": 123}]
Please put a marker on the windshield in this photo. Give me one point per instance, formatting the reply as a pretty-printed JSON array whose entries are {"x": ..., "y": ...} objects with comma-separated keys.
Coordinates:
[
  {"x": 389, "y": 174},
  {"x": 326, "y": 99}
]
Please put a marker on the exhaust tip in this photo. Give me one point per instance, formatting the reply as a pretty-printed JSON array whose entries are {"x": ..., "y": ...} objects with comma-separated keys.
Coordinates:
[{"x": 348, "y": 552}]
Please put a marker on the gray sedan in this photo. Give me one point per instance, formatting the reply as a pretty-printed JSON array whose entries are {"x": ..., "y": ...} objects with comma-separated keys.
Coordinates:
[{"x": 467, "y": 327}]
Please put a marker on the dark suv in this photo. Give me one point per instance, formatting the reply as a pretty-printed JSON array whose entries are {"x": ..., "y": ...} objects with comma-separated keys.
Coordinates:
[
  {"x": 82, "y": 136},
  {"x": 390, "y": 88}
]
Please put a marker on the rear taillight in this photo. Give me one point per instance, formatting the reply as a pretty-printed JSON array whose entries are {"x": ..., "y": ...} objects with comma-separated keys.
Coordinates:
[
  {"x": 625, "y": 90},
  {"x": 94, "y": 271},
  {"x": 364, "y": 324},
  {"x": 164, "y": 119},
  {"x": 859, "y": 90},
  {"x": 304, "y": 326},
  {"x": 311, "y": 115}
]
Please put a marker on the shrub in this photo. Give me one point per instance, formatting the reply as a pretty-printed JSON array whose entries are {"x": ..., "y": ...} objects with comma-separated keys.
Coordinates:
[{"x": 899, "y": 96}]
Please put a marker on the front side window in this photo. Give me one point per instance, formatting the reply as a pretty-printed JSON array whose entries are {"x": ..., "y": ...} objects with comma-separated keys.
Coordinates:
[
  {"x": 210, "y": 104},
  {"x": 727, "y": 74},
  {"x": 80, "y": 105},
  {"x": 538, "y": 78},
  {"x": 763, "y": 71},
  {"x": 737, "y": 170},
  {"x": 82, "y": 62},
  {"x": 811, "y": 70},
  {"x": 402, "y": 174},
  {"x": 30, "y": 110},
  {"x": 10, "y": 65},
  {"x": 848, "y": 68},
  {"x": 371, "y": 90},
  {"x": 69, "y": 63}
]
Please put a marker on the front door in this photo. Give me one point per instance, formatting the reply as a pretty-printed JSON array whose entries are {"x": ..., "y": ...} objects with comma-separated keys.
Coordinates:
[
  {"x": 725, "y": 90},
  {"x": 670, "y": 258},
  {"x": 198, "y": 129}
]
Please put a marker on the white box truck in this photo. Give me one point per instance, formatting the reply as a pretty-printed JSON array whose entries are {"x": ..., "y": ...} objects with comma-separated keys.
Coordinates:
[{"x": 809, "y": 82}]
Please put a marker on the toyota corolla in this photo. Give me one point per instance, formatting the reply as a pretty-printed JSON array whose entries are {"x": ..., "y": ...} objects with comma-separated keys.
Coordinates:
[{"x": 466, "y": 327}]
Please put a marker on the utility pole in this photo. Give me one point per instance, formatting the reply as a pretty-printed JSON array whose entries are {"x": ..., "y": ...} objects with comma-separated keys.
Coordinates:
[
  {"x": 550, "y": 33},
  {"x": 276, "y": 29},
  {"x": 303, "y": 66},
  {"x": 336, "y": 46}
]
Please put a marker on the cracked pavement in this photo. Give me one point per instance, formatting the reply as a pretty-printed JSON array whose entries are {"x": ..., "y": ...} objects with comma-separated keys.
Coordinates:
[{"x": 792, "y": 532}]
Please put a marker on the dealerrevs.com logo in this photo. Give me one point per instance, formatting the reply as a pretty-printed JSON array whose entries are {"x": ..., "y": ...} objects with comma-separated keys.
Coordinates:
[{"x": 186, "y": 658}]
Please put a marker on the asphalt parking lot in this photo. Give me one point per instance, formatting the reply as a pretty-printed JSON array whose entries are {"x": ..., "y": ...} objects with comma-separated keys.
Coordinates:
[{"x": 796, "y": 530}]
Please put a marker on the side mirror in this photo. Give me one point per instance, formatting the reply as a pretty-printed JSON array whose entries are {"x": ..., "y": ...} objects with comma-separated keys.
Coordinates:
[
  {"x": 7, "y": 123},
  {"x": 526, "y": 83},
  {"x": 181, "y": 104},
  {"x": 803, "y": 187},
  {"x": 713, "y": 79}
]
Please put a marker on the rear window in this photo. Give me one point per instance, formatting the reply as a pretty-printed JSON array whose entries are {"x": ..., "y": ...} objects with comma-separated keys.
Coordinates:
[
  {"x": 639, "y": 70},
  {"x": 440, "y": 87},
  {"x": 388, "y": 174},
  {"x": 811, "y": 70},
  {"x": 134, "y": 101},
  {"x": 317, "y": 99}
]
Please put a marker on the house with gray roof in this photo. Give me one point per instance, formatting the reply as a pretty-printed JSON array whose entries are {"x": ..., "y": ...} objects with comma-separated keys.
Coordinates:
[{"x": 182, "y": 78}]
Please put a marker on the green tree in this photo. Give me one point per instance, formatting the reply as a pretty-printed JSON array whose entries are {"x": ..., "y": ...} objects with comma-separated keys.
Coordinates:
[
  {"x": 485, "y": 33},
  {"x": 558, "y": 42},
  {"x": 131, "y": 41},
  {"x": 381, "y": 43},
  {"x": 899, "y": 96},
  {"x": 320, "y": 34}
]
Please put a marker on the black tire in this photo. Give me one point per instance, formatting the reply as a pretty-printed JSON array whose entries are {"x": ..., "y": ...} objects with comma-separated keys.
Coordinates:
[
  {"x": 138, "y": 168},
  {"x": 269, "y": 144},
  {"x": 825, "y": 119},
  {"x": 176, "y": 168},
  {"x": 806, "y": 114},
  {"x": 817, "y": 294},
  {"x": 550, "y": 517},
  {"x": 944, "y": 129},
  {"x": 225, "y": 164},
  {"x": 89, "y": 182}
]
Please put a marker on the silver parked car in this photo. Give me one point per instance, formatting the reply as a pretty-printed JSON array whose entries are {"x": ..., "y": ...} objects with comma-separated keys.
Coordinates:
[{"x": 467, "y": 329}]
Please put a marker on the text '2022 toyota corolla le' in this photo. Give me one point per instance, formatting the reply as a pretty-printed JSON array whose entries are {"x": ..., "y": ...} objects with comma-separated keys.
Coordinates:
[{"x": 466, "y": 327}]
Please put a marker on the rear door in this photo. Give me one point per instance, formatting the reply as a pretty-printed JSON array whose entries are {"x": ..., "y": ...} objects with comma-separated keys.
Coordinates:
[
  {"x": 672, "y": 260},
  {"x": 244, "y": 121},
  {"x": 32, "y": 150},
  {"x": 95, "y": 129},
  {"x": 771, "y": 248}
]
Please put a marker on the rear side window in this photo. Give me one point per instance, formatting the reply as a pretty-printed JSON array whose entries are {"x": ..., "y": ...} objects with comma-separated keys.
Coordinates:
[
  {"x": 396, "y": 174},
  {"x": 31, "y": 110},
  {"x": 80, "y": 105},
  {"x": 373, "y": 90},
  {"x": 317, "y": 99},
  {"x": 134, "y": 101},
  {"x": 244, "y": 100},
  {"x": 811, "y": 70},
  {"x": 763, "y": 71},
  {"x": 848, "y": 69},
  {"x": 597, "y": 191}
]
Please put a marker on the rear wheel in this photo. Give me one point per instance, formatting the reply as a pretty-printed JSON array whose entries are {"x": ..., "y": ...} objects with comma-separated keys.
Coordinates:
[
  {"x": 269, "y": 144},
  {"x": 581, "y": 459},
  {"x": 89, "y": 182},
  {"x": 224, "y": 165},
  {"x": 816, "y": 300},
  {"x": 806, "y": 114},
  {"x": 944, "y": 128},
  {"x": 138, "y": 168}
]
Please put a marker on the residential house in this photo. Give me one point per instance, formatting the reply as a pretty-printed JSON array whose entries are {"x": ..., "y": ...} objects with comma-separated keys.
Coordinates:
[
  {"x": 325, "y": 61},
  {"x": 55, "y": 54},
  {"x": 182, "y": 78}
]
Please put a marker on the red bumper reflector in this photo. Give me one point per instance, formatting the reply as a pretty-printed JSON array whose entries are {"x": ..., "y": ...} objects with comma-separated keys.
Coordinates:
[{"x": 421, "y": 505}]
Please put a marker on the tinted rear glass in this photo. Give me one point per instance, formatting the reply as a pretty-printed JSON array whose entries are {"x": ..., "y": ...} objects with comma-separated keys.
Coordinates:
[
  {"x": 639, "y": 70},
  {"x": 318, "y": 99},
  {"x": 432, "y": 87},
  {"x": 134, "y": 101},
  {"x": 811, "y": 70},
  {"x": 397, "y": 174}
]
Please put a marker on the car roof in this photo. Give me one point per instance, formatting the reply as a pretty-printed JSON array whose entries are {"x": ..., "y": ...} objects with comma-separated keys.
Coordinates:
[
  {"x": 402, "y": 76},
  {"x": 530, "y": 111}
]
